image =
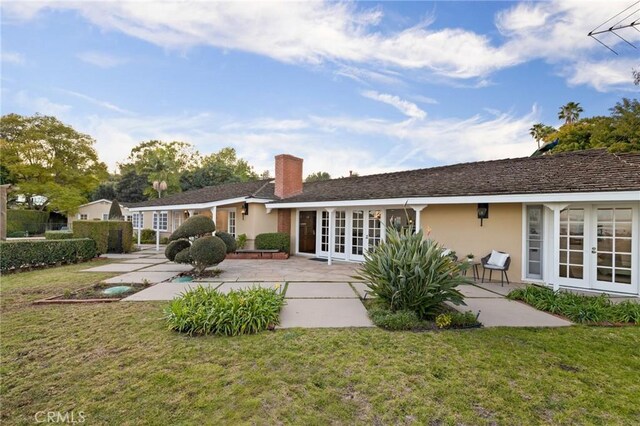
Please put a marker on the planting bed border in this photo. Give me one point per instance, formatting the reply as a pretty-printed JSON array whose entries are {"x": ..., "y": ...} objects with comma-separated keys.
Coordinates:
[
  {"x": 258, "y": 254},
  {"x": 60, "y": 300}
]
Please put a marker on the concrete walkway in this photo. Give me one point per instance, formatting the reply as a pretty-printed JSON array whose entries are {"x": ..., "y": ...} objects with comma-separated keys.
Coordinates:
[{"x": 317, "y": 295}]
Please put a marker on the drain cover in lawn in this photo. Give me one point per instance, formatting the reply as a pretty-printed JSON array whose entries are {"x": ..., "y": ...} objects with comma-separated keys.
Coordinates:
[{"x": 119, "y": 289}]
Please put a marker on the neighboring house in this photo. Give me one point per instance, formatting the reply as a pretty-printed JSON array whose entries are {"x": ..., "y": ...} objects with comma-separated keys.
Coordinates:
[
  {"x": 99, "y": 210},
  {"x": 567, "y": 220}
]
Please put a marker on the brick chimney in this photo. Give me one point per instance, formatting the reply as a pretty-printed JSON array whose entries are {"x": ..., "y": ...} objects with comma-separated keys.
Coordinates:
[{"x": 288, "y": 176}]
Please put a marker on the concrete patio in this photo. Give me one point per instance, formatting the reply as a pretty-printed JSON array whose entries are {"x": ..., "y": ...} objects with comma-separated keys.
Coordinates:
[{"x": 317, "y": 295}]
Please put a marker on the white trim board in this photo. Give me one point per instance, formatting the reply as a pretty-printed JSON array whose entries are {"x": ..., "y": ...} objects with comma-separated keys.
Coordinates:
[
  {"x": 470, "y": 199},
  {"x": 201, "y": 205}
]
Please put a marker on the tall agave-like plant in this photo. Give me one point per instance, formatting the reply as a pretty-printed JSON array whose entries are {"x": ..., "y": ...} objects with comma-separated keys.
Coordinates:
[{"x": 410, "y": 273}]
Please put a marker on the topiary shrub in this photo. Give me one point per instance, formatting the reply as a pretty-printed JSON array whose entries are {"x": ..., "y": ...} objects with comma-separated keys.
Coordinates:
[
  {"x": 409, "y": 273},
  {"x": 228, "y": 239},
  {"x": 58, "y": 235},
  {"x": 183, "y": 256},
  {"x": 115, "y": 213},
  {"x": 176, "y": 247},
  {"x": 207, "y": 251},
  {"x": 195, "y": 226},
  {"x": 273, "y": 241}
]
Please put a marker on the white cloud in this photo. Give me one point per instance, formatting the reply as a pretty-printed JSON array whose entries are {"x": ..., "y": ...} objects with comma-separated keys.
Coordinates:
[
  {"x": 101, "y": 59},
  {"x": 424, "y": 99},
  {"x": 40, "y": 104},
  {"x": 604, "y": 76},
  {"x": 407, "y": 108},
  {"x": 103, "y": 104},
  {"x": 13, "y": 58},
  {"x": 347, "y": 35}
]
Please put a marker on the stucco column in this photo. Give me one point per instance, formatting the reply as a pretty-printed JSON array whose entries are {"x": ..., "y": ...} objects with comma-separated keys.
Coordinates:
[
  {"x": 331, "y": 233},
  {"x": 3, "y": 211},
  {"x": 418, "y": 209},
  {"x": 157, "y": 214},
  {"x": 214, "y": 215}
]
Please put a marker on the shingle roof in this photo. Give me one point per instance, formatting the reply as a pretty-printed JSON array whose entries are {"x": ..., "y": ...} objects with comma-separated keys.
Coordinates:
[
  {"x": 579, "y": 171},
  {"x": 257, "y": 189}
]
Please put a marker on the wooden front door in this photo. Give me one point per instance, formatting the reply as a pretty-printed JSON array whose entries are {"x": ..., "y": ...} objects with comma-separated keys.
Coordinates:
[{"x": 307, "y": 232}]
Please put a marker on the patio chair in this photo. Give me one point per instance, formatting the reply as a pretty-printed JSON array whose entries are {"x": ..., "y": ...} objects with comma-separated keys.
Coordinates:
[{"x": 496, "y": 261}]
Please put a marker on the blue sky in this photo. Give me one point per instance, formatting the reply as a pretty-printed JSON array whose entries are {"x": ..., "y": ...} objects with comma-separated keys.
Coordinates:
[{"x": 367, "y": 87}]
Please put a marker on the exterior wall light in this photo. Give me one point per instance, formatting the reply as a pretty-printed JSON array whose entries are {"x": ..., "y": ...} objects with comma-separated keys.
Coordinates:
[{"x": 483, "y": 211}]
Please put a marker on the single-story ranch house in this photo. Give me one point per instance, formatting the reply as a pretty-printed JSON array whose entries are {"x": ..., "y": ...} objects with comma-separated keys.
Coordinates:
[
  {"x": 568, "y": 220},
  {"x": 98, "y": 210}
]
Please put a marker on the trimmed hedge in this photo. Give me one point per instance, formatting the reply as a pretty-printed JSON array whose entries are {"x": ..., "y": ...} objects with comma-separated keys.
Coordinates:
[
  {"x": 273, "y": 241},
  {"x": 32, "y": 221},
  {"x": 147, "y": 236},
  {"x": 99, "y": 231},
  {"x": 58, "y": 235},
  {"x": 30, "y": 253}
]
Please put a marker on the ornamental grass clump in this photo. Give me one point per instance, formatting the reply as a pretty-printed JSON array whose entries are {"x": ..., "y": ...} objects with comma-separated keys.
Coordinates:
[
  {"x": 409, "y": 273},
  {"x": 204, "y": 310},
  {"x": 578, "y": 308}
]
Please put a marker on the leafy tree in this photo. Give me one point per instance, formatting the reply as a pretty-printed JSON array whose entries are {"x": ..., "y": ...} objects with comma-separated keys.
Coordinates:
[
  {"x": 163, "y": 161},
  {"x": 115, "y": 213},
  {"x": 104, "y": 191},
  {"x": 318, "y": 176},
  {"x": 620, "y": 132},
  {"x": 223, "y": 166},
  {"x": 570, "y": 112},
  {"x": 540, "y": 131},
  {"x": 131, "y": 186},
  {"x": 47, "y": 158}
]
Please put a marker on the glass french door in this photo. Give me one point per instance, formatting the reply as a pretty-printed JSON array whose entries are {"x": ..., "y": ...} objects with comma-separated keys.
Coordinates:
[
  {"x": 340, "y": 234},
  {"x": 613, "y": 249},
  {"x": 534, "y": 241},
  {"x": 571, "y": 252},
  {"x": 367, "y": 230},
  {"x": 357, "y": 235}
]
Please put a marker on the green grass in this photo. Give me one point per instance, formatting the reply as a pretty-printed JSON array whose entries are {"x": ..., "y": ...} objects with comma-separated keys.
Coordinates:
[{"x": 119, "y": 365}]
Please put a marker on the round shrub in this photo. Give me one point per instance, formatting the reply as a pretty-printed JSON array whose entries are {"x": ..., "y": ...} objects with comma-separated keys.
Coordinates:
[
  {"x": 229, "y": 241},
  {"x": 175, "y": 247},
  {"x": 183, "y": 256},
  {"x": 207, "y": 251},
  {"x": 195, "y": 226}
]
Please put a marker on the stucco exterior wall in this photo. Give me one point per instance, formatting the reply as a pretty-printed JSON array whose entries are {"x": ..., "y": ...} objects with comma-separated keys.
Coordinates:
[
  {"x": 458, "y": 228},
  {"x": 95, "y": 211},
  {"x": 256, "y": 222}
]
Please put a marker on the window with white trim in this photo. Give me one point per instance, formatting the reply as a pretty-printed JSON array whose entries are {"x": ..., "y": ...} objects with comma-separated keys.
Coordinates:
[
  {"x": 127, "y": 218},
  {"x": 105, "y": 216},
  {"x": 231, "y": 223},
  {"x": 83, "y": 216},
  {"x": 138, "y": 220},
  {"x": 535, "y": 240},
  {"x": 163, "y": 224}
]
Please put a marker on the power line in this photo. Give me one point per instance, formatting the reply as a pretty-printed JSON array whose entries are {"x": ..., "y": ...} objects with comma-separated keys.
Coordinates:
[{"x": 618, "y": 26}]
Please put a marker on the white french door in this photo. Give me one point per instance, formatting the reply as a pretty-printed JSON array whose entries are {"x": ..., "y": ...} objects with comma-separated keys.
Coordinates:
[
  {"x": 613, "y": 251},
  {"x": 571, "y": 253},
  {"x": 367, "y": 230}
]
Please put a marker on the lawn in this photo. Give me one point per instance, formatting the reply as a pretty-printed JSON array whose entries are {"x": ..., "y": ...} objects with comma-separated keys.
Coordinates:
[{"x": 118, "y": 364}]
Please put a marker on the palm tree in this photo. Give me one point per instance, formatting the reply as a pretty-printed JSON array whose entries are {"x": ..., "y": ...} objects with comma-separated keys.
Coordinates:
[
  {"x": 540, "y": 131},
  {"x": 570, "y": 112}
]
